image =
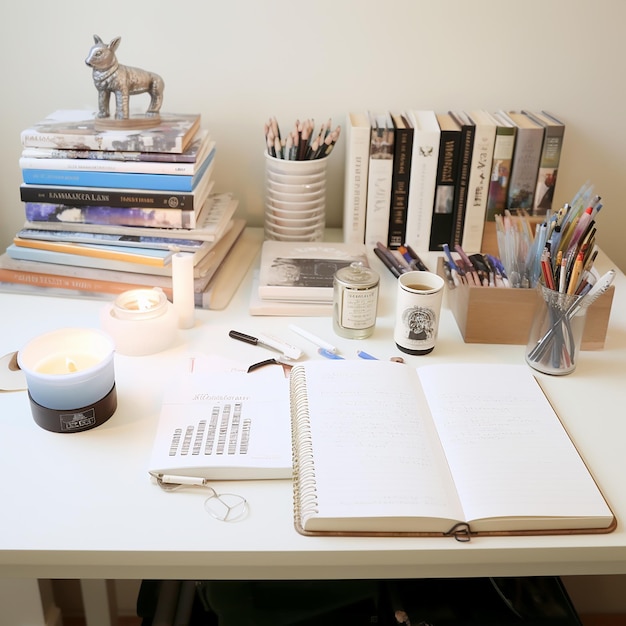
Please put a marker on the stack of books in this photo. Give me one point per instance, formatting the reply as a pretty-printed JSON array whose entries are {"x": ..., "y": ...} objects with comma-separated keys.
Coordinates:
[
  {"x": 106, "y": 210},
  {"x": 424, "y": 178}
]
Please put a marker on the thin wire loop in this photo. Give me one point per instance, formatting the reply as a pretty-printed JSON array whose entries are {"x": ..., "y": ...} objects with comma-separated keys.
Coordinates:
[{"x": 225, "y": 507}]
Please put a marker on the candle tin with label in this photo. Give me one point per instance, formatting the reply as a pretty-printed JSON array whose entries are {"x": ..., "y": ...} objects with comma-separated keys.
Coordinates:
[
  {"x": 355, "y": 301},
  {"x": 70, "y": 377}
]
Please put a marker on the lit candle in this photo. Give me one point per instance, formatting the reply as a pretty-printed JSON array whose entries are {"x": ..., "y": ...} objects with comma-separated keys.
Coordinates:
[
  {"x": 68, "y": 369},
  {"x": 141, "y": 321},
  {"x": 182, "y": 287}
]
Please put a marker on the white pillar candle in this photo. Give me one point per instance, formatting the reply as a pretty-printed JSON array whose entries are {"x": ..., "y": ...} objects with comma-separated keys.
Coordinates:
[
  {"x": 141, "y": 321},
  {"x": 69, "y": 368},
  {"x": 183, "y": 290}
]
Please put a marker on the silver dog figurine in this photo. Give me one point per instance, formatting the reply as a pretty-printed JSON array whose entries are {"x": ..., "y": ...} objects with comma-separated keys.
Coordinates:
[{"x": 109, "y": 77}]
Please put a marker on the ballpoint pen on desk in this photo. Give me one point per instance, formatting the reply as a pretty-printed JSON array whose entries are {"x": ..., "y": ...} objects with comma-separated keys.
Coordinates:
[
  {"x": 329, "y": 355},
  {"x": 399, "y": 261},
  {"x": 318, "y": 341},
  {"x": 390, "y": 264},
  {"x": 412, "y": 258}
]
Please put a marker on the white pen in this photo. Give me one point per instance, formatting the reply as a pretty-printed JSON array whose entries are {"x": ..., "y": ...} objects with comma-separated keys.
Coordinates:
[{"x": 320, "y": 343}]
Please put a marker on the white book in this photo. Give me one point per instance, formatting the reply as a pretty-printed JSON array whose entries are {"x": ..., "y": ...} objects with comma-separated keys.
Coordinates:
[
  {"x": 379, "y": 179},
  {"x": 28, "y": 160},
  {"x": 304, "y": 271},
  {"x": 479, "y": 178},
  {"x": 355, "y": 184},
  {"x": 426, "y": 138}
]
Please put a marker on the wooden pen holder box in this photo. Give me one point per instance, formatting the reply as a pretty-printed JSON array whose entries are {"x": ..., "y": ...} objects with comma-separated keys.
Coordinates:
[{"x": 504, "y": 316}]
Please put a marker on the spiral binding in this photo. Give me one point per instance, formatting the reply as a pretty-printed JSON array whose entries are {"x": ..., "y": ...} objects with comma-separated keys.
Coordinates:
[{"x": 305, "y": 485}]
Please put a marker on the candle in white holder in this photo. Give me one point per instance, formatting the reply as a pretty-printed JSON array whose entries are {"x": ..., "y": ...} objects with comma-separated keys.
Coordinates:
[
  {"x": 68, "y": 368},
  {"x": 141, "y": 321},
  {"x": 182, "y": 286}
]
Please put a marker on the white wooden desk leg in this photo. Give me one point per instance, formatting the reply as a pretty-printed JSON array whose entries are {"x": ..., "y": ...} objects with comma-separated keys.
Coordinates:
[
  {"x": 100, "y": 602},
  {"x": 27, "y": 602}
]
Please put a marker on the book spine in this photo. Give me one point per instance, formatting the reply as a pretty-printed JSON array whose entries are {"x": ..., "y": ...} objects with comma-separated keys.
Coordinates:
[
  {"x": 119, "y": 198},
  {"x": 525, "y": 168},
  {"x": 478, "y": 186},
  {"x": 101, "y": 141},
  {"x": 548, "y": 169},
  {"x": 42, "y": 281},
  {"x": 63, "y": 258},
  {"x": 379, "y": 187},
  {"x": 400, "y": 183},
  {"x": 109, "y": 216},
  {"x": 426, "y": 142},
  {"x": 355, "y": 190},
  {"x": 104, "y": 165},
  {"x": 460, "y": 197},
  {"x": 121, "y": 180},
  {"x": 97, "y": 251},
  {"x": 500, "y": 171},
  {"x": 447, "y": 176},
  {"x": 109, "y": 155},
  {"x": 107, "y": 239}
]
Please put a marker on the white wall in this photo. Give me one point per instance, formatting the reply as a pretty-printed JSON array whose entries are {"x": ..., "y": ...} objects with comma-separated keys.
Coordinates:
[{"x": 240, "y": 61}]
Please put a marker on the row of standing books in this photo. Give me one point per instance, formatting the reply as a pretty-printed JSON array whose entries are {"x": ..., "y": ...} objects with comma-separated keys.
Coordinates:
[
  {"x": 424, "y": 179},
  {"x": 106, "y": 210}
]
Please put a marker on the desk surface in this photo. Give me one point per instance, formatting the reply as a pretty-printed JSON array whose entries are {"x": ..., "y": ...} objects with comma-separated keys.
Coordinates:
[{"x": 82, "y": 505}]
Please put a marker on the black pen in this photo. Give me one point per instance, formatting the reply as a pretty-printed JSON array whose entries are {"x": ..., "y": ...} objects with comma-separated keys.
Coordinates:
[
  {"x": 290, "y": 352},
  {"x": 388, "y": 264}
]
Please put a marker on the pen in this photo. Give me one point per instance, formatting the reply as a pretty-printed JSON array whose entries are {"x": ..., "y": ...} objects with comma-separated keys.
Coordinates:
[
  {"x": 401, "y": 267},
  {"x": 387, "y": 263},
  {"x": 364, "y": 355},
  {"x": 451, "y": 261},
  {"x": 287, "y": 350},
  {"x": 575, "y": 275},
  {"x": 471, "y": 271},
  {"x": 417, "y": 262},
  {"x": 320, "y": 343},
  {"x": 329, "y": 355}
]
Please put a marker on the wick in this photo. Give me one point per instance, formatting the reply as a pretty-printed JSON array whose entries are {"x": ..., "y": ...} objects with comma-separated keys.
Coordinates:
[{"x": 71, "y": 366}]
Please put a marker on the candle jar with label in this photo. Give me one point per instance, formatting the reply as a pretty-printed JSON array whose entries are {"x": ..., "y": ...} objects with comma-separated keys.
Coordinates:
[
  {"x": 355, "y": 301},
  {"x": 141, "y": 321},
  {"x": 70, "y": 378}
]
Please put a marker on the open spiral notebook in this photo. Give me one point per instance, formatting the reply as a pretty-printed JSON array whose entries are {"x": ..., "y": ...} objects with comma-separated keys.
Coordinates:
[{"x": 383, "y": 448}]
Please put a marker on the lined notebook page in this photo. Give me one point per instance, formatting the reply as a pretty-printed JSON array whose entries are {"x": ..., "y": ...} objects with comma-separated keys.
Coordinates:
[
  {"x": 506, "y": 447},
  {"x": 375, "y": 456}
]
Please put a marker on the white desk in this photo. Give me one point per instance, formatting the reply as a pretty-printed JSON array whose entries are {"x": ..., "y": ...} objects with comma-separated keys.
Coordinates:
[{"x": 82, "y": 506}]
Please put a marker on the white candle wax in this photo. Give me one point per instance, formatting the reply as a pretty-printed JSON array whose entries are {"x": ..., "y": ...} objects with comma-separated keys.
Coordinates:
[
  {"x": 68, "y": 368},
  {"x": 141, "y": 321},
  {"x": 182, "y": 286}
]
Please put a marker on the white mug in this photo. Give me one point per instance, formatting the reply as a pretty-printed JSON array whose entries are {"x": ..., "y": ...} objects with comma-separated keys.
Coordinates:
[{"x": 418, "y": 306}]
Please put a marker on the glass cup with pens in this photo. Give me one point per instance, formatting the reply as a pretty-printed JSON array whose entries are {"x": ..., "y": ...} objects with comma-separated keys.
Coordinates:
[{"x": 556, "y": 332}]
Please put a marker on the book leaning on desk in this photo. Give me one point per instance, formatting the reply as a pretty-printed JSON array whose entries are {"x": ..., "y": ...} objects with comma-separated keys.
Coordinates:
[
  {"x": 296, "y": 279},
  {"x": 383, "y": 448}
]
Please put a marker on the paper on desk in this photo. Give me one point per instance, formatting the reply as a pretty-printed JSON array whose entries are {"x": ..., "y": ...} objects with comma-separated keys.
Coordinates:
[{"x": 224, "y": 425}]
